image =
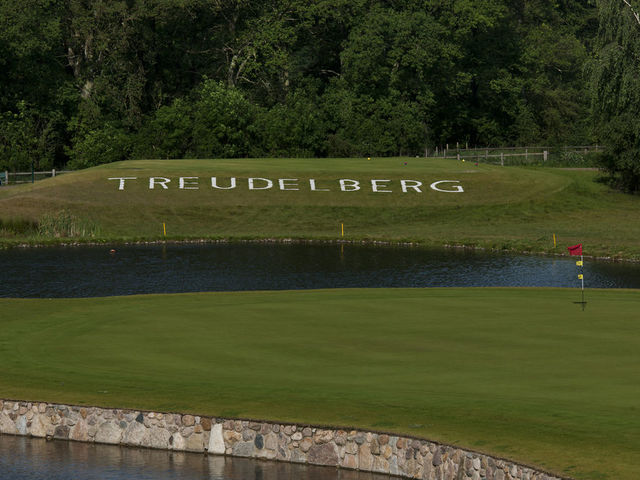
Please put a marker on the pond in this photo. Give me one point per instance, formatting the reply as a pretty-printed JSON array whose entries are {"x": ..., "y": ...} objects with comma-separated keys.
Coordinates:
[
  {"x": 24, "y": 458},
  {"x": 169, "y": 268}
]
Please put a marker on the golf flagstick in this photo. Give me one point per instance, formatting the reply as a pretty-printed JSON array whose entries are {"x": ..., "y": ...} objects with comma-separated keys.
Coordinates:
[{"x": 577, "y": 250}]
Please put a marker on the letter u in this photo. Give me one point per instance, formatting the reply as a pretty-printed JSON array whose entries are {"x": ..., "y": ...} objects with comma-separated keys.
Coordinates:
[{"x": 232, "y": 182}]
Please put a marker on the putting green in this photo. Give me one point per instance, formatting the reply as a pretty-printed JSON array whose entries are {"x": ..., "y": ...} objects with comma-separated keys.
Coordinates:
[{"x": 519, "y": 373}]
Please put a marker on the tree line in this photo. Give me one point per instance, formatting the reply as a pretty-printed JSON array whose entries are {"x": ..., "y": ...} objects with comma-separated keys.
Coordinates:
[{"x": 89, "y": 82}]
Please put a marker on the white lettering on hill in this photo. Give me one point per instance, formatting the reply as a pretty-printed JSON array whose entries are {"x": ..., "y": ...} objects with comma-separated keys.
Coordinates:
[
  {"x": 455, "y": 188},
  {"x": 347, "y": 185},
  {"x": 122, "y": 180},
  {"x": 267, "y": 183},
  {"x": 232, "y": 184},
  {"x": 376, "y": 185}
]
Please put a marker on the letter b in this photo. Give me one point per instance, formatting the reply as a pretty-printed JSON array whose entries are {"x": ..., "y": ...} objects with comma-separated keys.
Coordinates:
[{"x": 347, "y": 185}]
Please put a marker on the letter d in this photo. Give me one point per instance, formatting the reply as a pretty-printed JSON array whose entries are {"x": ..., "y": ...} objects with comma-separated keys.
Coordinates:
[{"x": 252, "y": 185}]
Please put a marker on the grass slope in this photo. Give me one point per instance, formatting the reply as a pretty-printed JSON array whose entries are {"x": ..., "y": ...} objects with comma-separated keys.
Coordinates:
[
  {"x": 521, "y": 373},
  {"x": 505, "y": 208}
]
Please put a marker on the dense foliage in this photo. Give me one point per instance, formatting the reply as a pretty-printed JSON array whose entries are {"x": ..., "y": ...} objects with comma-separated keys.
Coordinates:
[
  {"x": 616, "y": 89},
  {"x": 88, "y": 82}
]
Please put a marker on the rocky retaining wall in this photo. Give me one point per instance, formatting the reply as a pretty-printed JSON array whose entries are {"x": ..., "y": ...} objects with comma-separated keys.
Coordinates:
[{"x": 344, "y": 448}]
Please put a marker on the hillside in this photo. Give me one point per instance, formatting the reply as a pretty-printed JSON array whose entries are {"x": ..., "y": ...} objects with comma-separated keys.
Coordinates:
[{"x": 390, "y": 199}]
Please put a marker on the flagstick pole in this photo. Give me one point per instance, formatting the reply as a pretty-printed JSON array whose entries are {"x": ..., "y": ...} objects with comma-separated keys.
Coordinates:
[
  {"x": 577, "y": 250},
  {"x": 582, "y": 271}
]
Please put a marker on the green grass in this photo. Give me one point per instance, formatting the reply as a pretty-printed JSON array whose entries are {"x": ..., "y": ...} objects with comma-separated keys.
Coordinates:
[
  {"x": 510, "y": 208},
  {"x": 520, "y": 373}
]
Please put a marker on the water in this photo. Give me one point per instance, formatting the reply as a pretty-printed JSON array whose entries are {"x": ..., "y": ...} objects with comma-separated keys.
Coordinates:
[
  {"x": 139, "y": 269},
  {"x": 24, "y": 458}
]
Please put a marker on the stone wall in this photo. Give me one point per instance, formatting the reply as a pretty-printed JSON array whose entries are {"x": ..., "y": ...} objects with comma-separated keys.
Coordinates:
[{"x": 344, "y": 448}]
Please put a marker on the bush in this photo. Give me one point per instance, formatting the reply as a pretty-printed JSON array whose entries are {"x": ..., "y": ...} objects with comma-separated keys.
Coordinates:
[
  {"x": 26, "y": 136},
  {"x": 223, "y": 122},
  {"x": 168, "y": 134},
  {"x": 218, "y": 121},
  {"x": 103, "y": 145}
]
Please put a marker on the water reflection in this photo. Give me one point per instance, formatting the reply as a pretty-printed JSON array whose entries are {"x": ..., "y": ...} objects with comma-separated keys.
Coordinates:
[
  {"x": 95, "y": 271},
  {"x": 36, "y": 459}
]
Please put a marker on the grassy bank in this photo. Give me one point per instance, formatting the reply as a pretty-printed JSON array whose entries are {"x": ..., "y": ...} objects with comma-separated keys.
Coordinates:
[
  {"x": 504, "y": 208},
  {"x": 520, "y": 373}
]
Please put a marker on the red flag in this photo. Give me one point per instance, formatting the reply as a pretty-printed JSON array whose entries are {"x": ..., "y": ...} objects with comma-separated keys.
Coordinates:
[{"x": 575, "y": 250}]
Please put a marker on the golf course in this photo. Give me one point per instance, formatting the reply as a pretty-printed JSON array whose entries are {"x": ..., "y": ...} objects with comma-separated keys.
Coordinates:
[
  {"x": 518, "y": 373},
  {"x": 518, "y": 209}
]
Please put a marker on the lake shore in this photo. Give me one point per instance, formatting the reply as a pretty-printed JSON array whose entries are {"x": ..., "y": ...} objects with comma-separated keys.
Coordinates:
[{"x": 341, "y": 447}]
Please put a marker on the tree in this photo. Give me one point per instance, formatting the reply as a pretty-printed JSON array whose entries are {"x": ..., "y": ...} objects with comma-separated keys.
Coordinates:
[
  {"x": 223, "y": 122},
  {"x": 102, "y": 80},
  {"x": 31, "y": 53},
  {"x": 295, "y": 128},
  {"x": 35, "y": 90},
  {"x": 615, "y": 90},
  {"x": 105, "y": 144},
  {"x": 26, "y": 139},
  {"x": 214, "y": 121},
  {"x": 555, "y": 41}
]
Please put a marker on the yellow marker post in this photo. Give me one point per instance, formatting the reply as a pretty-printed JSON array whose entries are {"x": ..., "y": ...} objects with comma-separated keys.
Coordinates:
[
  {"x": 164, "y": 229},
  {"x": 342, "y": 228},
  {"x": 554, "y": 240}
]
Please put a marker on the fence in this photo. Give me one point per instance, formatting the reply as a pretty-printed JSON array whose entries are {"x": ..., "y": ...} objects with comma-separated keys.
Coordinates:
[
  {"x": 570, "y": 155},
  {"x": 7, "y": 177}
]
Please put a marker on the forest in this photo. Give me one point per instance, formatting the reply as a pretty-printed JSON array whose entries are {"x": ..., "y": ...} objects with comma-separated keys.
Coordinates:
[{"x": 86, "y": 82}]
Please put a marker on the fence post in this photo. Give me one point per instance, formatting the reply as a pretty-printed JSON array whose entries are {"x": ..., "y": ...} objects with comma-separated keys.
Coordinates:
[
  {"x": 6, "y": 176},
  {"x": 545, "y": 155},
  {"x": 526, "y": 155},
  {"x": 502, "y": 159},
  {"x": 53, "y": 172},
  {"x": 486, "y": 155},
  {"x": 458, "y": 156}
]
